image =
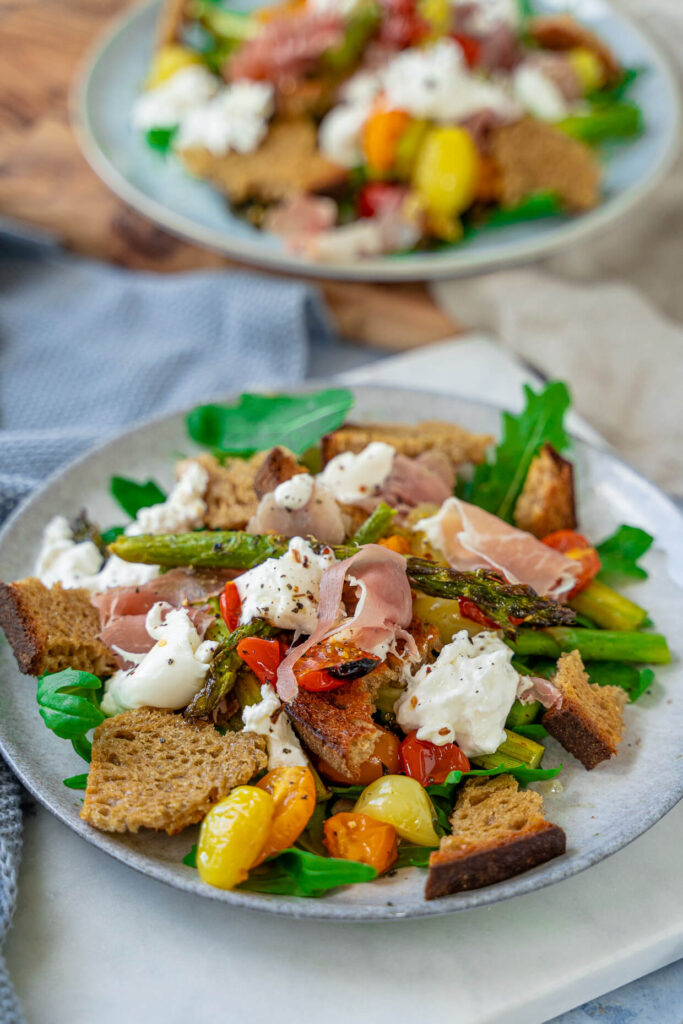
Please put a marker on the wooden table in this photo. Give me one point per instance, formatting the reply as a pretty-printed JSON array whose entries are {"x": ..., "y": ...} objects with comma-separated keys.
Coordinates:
[{"x": 45, "y": 180}]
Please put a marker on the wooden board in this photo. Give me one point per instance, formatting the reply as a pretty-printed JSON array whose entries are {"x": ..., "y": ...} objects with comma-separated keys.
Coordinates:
[{"x": 46, "y": 181}]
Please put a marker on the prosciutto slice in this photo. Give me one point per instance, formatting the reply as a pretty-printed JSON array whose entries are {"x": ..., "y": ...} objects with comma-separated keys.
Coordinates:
[
  {"x": 428, "y": 477},
  {"x": 321, "y": 517},
  {"x": 173, "y": 587},
  {"x": 531, "y": 688},
  {"x": 472, "y": 538},
  {"x": 382, "y": 615}
]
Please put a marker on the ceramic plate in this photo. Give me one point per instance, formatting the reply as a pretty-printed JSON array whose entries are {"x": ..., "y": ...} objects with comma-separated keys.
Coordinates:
[
  {"x": 159, "y": 187},
  {"x": 601, "y": 811}
]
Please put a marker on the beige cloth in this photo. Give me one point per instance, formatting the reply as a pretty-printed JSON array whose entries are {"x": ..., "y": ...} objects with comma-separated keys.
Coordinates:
[{"x": 607, "y": 315}]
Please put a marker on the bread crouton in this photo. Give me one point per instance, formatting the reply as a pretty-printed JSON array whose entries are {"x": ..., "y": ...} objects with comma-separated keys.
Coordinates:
[
  {"x": 459, "y": 445},
  {"x": 230, "y": 496},
  {"x": 535, "y": 157},
  {"x": 563, "y": 32},
  {"x": 152, "y": 768},
  {"x": 170, "y": 23},
  {"x": 546, "y": 503},
  {"x": 50, "y": 629},
  {"x": 287, "y": 162},
  {"x": 279, "y": 465},
  {"x": 337, "y": 725},
  {"x": 391, "y": 673},
  {"x": 498, "y": 831},
  {"x": 589, "y": 722}
]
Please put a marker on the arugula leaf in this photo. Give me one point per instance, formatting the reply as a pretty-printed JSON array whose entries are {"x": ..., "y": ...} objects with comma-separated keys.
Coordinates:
[
  {"x": 133, "y": 496},
  {"x": 351, "y": 792},
  {"x": 110, "y": 535},
  {"x": 191, "y": 858},
  {"x": 412, "y": 856},
  {"x": 160, "y": 138},
  {"x": 257, "y": 422},
  {"x": 497, "y": 483},
  {"x": 620, "y": 552},
  {"x": 76, "y": 781},
  {"x": 68, "y": 706},
  {"x": 300, "y": 873},
  {"x": 618, "y": 673}
]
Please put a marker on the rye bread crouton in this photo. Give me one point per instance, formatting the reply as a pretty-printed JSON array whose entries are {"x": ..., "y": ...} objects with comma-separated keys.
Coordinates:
[
  {"x": 563, "y": 32},
  {"x": 230, "y": 496},
  {"x": 547, "y": 502},
  {"x": 457, "y": 444},
  {"x": 589, "y": 722},
  {"x": 336, "y": 726},
  {"x": 152, "y": 768},
  {"x": 536, "y": 157},
  {"x": 170, "y": 23},
  {"x": 498, "y": 831},
  {"x": 287, "y": 162},
  {"x": 50, "y": 629},
  {"x": 278, "y": 466}
]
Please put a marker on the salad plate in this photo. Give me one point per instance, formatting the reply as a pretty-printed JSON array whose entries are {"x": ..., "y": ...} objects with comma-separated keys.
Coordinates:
[
  {"x": 160, "y": 188},
  {"x": 601, "y": 810}
]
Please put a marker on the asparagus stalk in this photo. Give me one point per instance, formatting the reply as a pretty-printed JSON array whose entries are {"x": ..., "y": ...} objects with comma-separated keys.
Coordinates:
[
  {"x": 375, "y": 525},
  {"x": 221, "y": 549},
  {"x": 593, "y": 644},
  {"x": 607, "y": 608},
  {"x": 515, "y": 751},
  {"x": 222, "y": 674},
  {"x": 522, "y": 714}
]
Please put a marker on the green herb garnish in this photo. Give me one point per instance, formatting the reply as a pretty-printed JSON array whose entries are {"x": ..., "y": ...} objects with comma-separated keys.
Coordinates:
[
  {"x": 76, "y": 781},
  {"x": 68, "y": 705},
  {"x": 133, "y": 496},
  {"x": 620, "y": 552},
  {"x": 160, "y": 139}
]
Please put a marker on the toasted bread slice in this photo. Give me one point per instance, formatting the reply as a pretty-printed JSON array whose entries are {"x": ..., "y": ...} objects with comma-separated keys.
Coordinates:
[
  {"x": 589, "y": 722},
  {"x": 563, "y": 32},
  {"x": 498, "y": 831},
  {"x": 170, "y": 23},
  {"x": 279, "y": 465},
  {"x": 459, "y": 445},
  {"x": 230, "y": 496},
  {"x": 337, "y": 726},
  {"x": 153, "y": 769},
  {"x": 536, "y": 157},
  {"x": 287, "y": 162},
  {"x": 547, "y": 503},
  {"x": 50, "y": 629}
]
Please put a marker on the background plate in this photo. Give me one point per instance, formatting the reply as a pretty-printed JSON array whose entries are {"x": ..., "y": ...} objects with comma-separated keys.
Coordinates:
[
  {"x": 601, "y": 811},
  {"x": 159, "y": 187}
]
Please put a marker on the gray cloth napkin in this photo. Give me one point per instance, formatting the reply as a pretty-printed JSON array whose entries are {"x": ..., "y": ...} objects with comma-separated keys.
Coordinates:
[{"x": 86, "y": 350}]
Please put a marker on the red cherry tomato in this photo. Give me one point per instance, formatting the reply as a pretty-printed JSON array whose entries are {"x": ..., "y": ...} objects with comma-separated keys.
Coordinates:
[
  {"x": 231, "y": 605},
  {"x": 471, "y": 48},
  {"x": 376, "y": 197},
  {"x": 469, "y": 610},
  {"x": 385, "y": 756},
  {"x": 574, "y": 545},
  {"x": 428, "y": 763},
  {"x": 313, "y": 670},
  {"x": 262, "y": 656}
]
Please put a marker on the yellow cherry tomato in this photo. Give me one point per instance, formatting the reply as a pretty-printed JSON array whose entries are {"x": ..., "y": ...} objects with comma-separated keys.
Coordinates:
[
  {"x": 382, "y": 133},
  {"x": 232, "y": 836},
  {"x": 167, "y": 61},
  {"x": 444, "y": 613},
  {"x": 587, "y": 67},
  {"x": 446, "y": 172},
  {"x": 293, "y": 791},
  {"x": 402, "y": 802}
]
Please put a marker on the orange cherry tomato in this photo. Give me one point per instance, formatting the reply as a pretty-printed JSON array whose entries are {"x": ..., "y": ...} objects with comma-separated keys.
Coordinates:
[
  {"x": 395, "y": 543},
  {"x": 231, "y": 605},
  {"x": 360, "y": 837},
  {"x": 384, "y": 756},
  {"x": 574, "y": 545},
  {"x": 381, "y": 135},
  {"x": 429, "y": 763},
  {"x": 262, "y": 656},
  {"x": 293, "y": 791},
  {"x": 329, "y": 665}
]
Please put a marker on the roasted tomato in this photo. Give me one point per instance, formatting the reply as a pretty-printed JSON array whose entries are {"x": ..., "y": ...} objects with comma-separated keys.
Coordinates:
[
  {"x": 470, "y": 46},
  {"x": 231, "y": 605},
  {"x": 262, "y": 656},
  {"x": 428, "y": 763},
  {"x": 574, "y": 545},
  {"x": 293, "y": 791},
  {"x": 329, "y": 665},
  {"x": 469, "y": 610},
  {"x": 385, "y": 756},
  {"x": 360, "y": 837}
]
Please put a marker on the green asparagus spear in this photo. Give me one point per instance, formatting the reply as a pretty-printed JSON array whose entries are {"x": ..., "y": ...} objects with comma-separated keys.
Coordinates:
[
  {"x": 223, "y": 670},
  {"x": 522, "y": 714},
  {"x": 498, "y": 600},
  {"x": 593, "y": 644},
  {"x": 227, "y": 549},
  {"x": 607, "y": 608},
  {"x": 616, "y": 121},
  {"x": 515, "y": 751},
  {"x": 375, "y": 526}
]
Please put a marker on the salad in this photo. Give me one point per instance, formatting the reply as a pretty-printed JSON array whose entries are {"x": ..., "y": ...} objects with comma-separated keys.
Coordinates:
[
  {"x": 355, "y": 128},
  {"x": 339, "y": 648}
]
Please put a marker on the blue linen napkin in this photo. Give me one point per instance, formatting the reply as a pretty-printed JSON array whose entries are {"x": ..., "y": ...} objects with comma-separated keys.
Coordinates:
[{"x": 87, "y": 349}]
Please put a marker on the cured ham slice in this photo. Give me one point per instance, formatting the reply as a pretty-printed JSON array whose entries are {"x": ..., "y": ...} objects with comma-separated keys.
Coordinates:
[
  {"x": 173, "y": 588},
  {"x": 286, "y": 48},
  {"x": 382, "y": 615},
  {"x": 413, "y": 481},
  {"x": 129, "y": 632},
  {"x": 471, "y": 538},
  {"x": 533, "y": 688},
  {"x": 321, "y": 517}
]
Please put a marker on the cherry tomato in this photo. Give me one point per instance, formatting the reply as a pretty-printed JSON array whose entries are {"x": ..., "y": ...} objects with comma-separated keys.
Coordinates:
[
  {"x": 376, "y": 197},
  {"x": 382, "y": 133},
  {"x": 428, "y": 763},
  {"x": 574, "y": 545},
  {"x": 293, "y": 791},
  {"x": 360, "y": 837},
  {"x": 231, "y": 605},
  {"x": 262, "y": 656},
  {"x": 329, "y": 665},
  {"x": 402, "y": 25},
  {"x": 471, "y": 48},
  {"x": 469, "y": 610},
  {"x": 384, "y": 756},
  {"x": 396, "y": 543}
]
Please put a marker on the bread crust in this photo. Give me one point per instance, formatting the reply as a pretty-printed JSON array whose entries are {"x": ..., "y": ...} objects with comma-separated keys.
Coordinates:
[
  {"x": 457, "y": 444},
  {"x": 337, "y": 726},
  {"x": 547, "y": 503},
  {"x": 449, "y": 874}
]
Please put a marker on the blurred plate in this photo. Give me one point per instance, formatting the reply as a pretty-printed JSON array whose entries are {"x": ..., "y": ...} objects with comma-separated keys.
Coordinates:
[
  {"x": 162, "y": 190},
  {"x": 601, "y": 811}
]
